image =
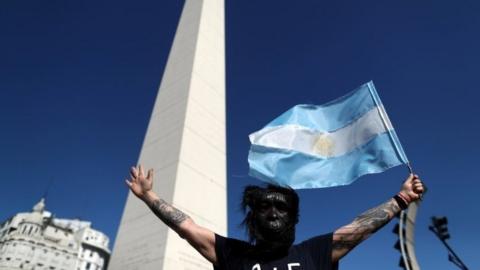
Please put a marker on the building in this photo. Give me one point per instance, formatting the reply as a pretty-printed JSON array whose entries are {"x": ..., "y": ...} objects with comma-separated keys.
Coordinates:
[
  {"x": 185, "y": 144},
  {"x": 39, "y": 241}
]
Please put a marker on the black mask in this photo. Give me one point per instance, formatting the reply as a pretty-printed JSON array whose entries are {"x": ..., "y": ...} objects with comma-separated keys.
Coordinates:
[
  {"x": 271, "y": 219},
  {"x": 272, "y": 215}
]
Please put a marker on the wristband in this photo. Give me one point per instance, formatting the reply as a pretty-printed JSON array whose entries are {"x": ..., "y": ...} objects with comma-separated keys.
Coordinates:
[
  {"x": 401, "y": 203},
  {"x": 405, "y": 199}
]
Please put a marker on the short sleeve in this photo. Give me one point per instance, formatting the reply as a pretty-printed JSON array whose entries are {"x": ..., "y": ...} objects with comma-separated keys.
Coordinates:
[
  {"x": 319, "y": 249},
  {"x": 220, "y": 243},
  {"x": 229, "y": 252}
]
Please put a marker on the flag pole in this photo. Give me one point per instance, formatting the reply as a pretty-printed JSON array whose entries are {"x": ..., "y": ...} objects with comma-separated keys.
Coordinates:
[{"x": 410, "y": 169}]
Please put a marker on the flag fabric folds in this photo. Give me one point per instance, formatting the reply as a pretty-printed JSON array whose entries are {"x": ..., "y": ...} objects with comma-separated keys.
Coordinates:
[{"x": 330, "y": 145}]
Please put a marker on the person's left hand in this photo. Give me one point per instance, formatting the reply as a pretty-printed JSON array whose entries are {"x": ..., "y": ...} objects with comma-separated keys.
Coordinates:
[{"x": 412, "y": 189}]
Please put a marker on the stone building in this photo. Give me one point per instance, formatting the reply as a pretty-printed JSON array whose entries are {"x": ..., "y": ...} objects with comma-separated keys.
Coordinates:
[{"x": 39, "y": 241}]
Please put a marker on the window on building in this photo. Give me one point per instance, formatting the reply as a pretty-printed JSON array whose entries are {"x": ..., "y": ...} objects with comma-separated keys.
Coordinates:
[
  {"x": 30, "y": 230},
  {"x": 88, "y": 266}
]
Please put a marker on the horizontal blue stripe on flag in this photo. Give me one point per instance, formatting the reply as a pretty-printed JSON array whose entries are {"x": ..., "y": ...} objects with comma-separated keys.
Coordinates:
[{"x": 332, "y": 115}]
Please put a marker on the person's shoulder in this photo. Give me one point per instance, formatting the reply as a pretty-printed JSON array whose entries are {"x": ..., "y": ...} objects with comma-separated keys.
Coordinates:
[
  {"x": 230, "y": 251},
  {"x": 319, "y": 250}
]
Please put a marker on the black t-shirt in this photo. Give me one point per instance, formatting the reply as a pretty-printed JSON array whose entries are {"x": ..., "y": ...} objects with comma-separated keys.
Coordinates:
[{"x": 312, "y": 254}]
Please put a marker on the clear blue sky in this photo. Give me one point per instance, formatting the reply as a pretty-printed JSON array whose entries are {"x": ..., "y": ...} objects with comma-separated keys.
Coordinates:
[{"x": 78, "y": 80}]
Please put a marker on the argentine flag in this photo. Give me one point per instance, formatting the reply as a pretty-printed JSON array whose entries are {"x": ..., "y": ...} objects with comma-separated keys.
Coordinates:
[{"x": 330, "y": 145}]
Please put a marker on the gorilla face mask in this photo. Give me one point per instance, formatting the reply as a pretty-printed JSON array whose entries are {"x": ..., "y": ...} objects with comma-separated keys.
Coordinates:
[
  {"x": 272, "y": 215},
  {"x": 271, "y": 219}
]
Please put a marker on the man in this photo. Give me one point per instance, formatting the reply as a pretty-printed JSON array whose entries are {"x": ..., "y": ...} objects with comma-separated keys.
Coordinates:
[{"x": 272, "y": 213}]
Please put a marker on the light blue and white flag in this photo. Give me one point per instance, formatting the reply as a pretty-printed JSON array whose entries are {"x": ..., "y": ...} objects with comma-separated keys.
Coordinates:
[{"x": 333, "y": 144}]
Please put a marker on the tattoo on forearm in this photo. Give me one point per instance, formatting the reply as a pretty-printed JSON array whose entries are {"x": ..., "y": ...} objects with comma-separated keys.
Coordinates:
[
  {"x": 170, "y": 215},
  {"x": 366, "y": 224}
]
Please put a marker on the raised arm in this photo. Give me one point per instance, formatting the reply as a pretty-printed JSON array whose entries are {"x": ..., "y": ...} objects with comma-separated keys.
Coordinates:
[
  {"x": 367, "y": 223},
  {"x": 202, "y": 239}
]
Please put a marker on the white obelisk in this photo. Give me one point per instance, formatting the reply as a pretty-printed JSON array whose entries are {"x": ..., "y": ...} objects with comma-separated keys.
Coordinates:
[{"x": 186, "y": 145}]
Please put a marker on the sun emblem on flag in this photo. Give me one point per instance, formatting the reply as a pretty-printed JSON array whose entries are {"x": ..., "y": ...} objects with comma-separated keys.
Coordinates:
[{"x": 323, "y": 145}]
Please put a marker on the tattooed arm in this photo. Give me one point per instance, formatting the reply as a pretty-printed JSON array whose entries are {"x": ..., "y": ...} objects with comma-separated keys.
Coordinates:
[
  {"x": 349, "y": 236},
  {"x": 202, "y": 239}
]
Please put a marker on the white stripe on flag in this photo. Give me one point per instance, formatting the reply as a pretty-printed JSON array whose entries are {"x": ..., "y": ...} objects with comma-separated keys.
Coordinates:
[{"x": 325, "y": 144}]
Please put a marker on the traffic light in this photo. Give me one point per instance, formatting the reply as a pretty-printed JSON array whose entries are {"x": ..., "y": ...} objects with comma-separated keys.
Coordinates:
[
  {"x": 398, "y": 244},
  {"x": 396, "y": 230},
  {"x": 440, "y": 227}
]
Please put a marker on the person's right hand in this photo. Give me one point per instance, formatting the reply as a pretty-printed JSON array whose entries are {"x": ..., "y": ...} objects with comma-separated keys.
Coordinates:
[
  {"x": 140, "y": 184},
  {"x": 412, "y": 189}
]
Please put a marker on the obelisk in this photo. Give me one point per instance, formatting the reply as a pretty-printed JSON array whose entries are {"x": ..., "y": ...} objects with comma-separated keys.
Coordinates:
[{"x": 185, "y": 143}]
